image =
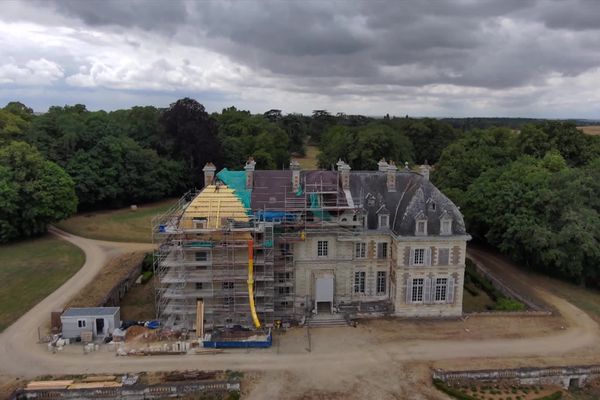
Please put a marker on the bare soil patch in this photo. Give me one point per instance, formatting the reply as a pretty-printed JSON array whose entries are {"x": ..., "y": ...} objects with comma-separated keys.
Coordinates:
[{"x": 590, "y": 129}]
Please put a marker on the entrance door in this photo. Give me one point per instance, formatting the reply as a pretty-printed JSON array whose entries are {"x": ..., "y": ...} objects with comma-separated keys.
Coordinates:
[
  {"x": 324, "y": 292},
  {"x": 99, "y": 326}
]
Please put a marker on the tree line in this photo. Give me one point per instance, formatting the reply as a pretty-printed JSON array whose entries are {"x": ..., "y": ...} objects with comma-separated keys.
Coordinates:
[{"x": 533, "y": 194}]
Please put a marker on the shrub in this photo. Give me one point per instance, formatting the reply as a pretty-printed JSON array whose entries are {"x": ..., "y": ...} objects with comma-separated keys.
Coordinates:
[
  {"x": 147, "y": 262},
  {"x": 441, "y": 386},
  {"x": 146, "y": 276},
  {"x": 506, "y": 304},
  {"x": 554, "y": 396}
]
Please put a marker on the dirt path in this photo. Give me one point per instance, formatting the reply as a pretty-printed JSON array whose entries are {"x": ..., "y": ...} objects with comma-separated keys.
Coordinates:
[{"x": 340, "y": 351}]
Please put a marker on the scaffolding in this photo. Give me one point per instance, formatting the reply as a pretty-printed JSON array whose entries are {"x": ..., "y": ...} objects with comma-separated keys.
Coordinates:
[{"x": 206, "y": 259}]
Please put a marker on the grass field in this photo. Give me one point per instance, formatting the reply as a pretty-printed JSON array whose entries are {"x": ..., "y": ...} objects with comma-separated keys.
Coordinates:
[
  {"x": 309, "y": 161},
  {"x": 591, "y": 129},
  {"x": 31, "y": 270},
  {"x": 123, "y": 225}
]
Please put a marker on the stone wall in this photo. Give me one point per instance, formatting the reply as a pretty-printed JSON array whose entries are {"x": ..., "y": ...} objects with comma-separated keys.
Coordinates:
[{"x": 566, "y": 377}]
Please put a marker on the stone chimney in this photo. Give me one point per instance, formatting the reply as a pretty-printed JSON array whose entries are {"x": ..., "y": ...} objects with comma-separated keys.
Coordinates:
[
  {"x": 382, "y": 165},
  {"x": 424, "y": 170},
  {"x": 209, "y": 173},
  {"x": 249, "y": 168},
  {"x": 391, "y": 176},
  {"x": 295, "y": 168},
  {"x": 344, "y": 174}
]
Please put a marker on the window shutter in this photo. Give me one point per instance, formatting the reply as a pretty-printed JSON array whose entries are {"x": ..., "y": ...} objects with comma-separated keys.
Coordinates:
[
  {"x": 427, "y": 291},
  {"x": 450, "y": 289},
  {"x": 408, "y": 290},
  {"x": 412, "y": 256},
  {"x": 427, "y": 256}
]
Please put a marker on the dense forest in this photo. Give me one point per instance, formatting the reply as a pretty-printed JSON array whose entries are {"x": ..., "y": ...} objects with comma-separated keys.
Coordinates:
[{"x": 529, "y": 187}]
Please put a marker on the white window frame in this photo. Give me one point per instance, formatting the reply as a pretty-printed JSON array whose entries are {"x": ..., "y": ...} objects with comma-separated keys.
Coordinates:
[
  {"x": 359, "y": 284},
  {"x": 384, "y": 221},
  {"x": 228, "y": 285},
  {"x": 417, "y": 290},
  {"x": 440, "y": 290},
  {"x": 381, "y": 283},
  {"x": 420, "y": 261},
  {"x": 446, "y": 230},
  {"x": 382, "y": 245},
  {"x": 360, "y": 250},
  {"x": 199, "y": 285},
  {"x": 322, "y": 248},
  {"x": 81, "y": 323},
  {"x": 423, "y": 223}
]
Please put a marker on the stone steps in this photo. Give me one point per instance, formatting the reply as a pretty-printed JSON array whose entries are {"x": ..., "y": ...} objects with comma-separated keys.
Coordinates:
[{"x": 319, "y": 323}]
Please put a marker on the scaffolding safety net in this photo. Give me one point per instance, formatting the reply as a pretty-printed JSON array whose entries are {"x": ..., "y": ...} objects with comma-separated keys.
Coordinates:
[{"x": 236, "y": 180}]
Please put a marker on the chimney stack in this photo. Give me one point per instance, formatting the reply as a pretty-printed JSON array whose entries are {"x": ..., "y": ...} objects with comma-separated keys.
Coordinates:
[
  {"x": 344, "y": 174},
  {"x": 295, "y": 167},
  {"x": 391, "y": 176},
  {"x": 249, "y": 167},
  {"x": 209, "y": 173},
  {"x": 382, "y": 165},
  {"x": 424, "y": 170}
]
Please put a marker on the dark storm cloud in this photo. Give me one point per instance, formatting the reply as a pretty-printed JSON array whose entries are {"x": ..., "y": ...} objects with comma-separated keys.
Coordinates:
[
  {"x": 445, "y": 51},
  {"x": 457, "y": 42},
  {"x": 143, "y": 14}
]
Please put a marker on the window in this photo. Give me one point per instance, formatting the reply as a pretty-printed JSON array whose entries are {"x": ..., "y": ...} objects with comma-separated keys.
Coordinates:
[
  {"x": 81, "y": 323},
  {"x": 322, "y": 248},
  {"x": 417, "y": 290},
  {"x": 284, "y": 290},
  {"x": 201, "y": 256},
  {"x": 441, "y": 285},
  {"x": 443, "y": 256},
  {"x": 228, "y": 301},
  {"x": 446, "y": 227},
  {"x": 421, "y": 228},
  {"x": 359, "y": 281},
  {"x": 384, "y": 221},
  {"x": 282, "y": 277},
  {"x": 360, "y": 250},
  {"x": 228, "y": 285},
  {"x": 200, "y": 223},
  {"x": 381, "y": 283},
  {"x": 382, "y": 250},
  {"x": 198, "y": 285},
  {"x": 419, "y": 257}
]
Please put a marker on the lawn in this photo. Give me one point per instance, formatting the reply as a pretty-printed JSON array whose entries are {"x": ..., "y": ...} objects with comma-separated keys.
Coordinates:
[
  {"x": 31, "y": 270},
  {"x": 309, "y": 161},
  {"x": 122, "y": 225},
  {"x": 138, "y": 303}
]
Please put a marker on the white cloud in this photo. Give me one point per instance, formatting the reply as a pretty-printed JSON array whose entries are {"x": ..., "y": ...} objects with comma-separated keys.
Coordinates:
[{"x": 33, "y": 72}]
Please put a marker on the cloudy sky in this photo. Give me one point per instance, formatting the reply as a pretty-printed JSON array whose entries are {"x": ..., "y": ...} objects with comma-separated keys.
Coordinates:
[{"x": 538, "y": 58}]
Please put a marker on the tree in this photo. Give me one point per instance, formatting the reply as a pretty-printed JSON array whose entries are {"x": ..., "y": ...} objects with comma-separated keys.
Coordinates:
[
  {"x": 193, "y": 134},
  {"x": 34, "y": 192},
  {"x": 244, "y": 135},
  {"x": 570, "y": 142},
  {"x": 362, "y": 147},
  {"x": 429, "y": 137}
]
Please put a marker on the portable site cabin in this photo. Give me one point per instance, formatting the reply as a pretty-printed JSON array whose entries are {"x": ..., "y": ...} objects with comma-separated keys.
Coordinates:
[{"x": 99, "y": 320}]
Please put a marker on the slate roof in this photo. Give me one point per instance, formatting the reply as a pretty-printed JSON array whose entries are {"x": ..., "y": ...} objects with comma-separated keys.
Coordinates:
[
  {"x": 89, "y": 311},
  {"x": 414, "y": 197}
]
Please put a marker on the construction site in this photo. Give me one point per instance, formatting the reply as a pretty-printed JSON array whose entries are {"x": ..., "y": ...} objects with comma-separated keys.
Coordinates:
[
  {"x": 263, "y": 248},
  {"x": 220, "y": 263}
]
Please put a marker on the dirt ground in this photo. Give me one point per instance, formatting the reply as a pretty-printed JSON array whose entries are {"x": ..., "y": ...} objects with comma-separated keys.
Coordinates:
[{"x": 380, "y": 359}]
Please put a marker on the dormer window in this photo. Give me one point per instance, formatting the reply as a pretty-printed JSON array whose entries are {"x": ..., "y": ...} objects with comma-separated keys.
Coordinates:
[
  {"x": 446, "y": 226},
  {"x": 200, "y": 223},
  {"x": 384, "y": 221},
  {"x": 421, "y": 227}
]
